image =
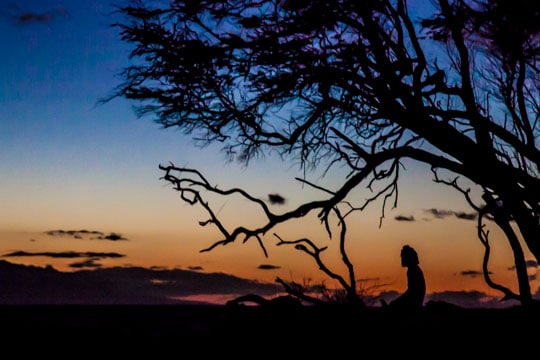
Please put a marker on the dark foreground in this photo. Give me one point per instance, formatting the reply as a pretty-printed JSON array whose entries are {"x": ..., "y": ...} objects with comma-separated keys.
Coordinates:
[{"x": 293, "y": 331}]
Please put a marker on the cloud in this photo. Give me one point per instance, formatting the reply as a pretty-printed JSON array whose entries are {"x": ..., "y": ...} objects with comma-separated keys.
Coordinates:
[
  {"x": 532, "y": 269},
  {"x": 276, "y": 199},
  {"x": 91, "y": 258},
  {"x": 89, "y": 263},
  {"x": 86, "y": 234},
  {"x": 465, "y": 216},
  {"x": 438, "y": 213},
  {"x": 23, "y": 17},
  {"x": 471, "y": 273},
  {"x": 74, "y": 233},
  {"x": 112, "y": 237},
  {"x": 372, "y": 279},
  {"x": 443, "y": 213},
  {"x": 530, "y": 264},
  {"x": 404, "y": 218},
  {"x": 66, "y": 254},
  {"x": 267, "y": 267}
]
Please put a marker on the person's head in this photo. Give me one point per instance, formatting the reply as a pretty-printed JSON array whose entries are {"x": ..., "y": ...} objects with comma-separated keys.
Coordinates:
[{"x": 408, "y": 256}]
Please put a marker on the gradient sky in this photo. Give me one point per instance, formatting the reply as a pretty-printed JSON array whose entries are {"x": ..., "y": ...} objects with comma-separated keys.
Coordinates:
[{"x": 68, "y": 164}]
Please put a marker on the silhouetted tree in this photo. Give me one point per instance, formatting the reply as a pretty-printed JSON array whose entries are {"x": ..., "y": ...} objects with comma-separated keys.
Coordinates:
[{"x": 354, "y": 83}]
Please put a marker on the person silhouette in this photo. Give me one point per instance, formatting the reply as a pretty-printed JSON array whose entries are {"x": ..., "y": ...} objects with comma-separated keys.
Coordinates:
[{"x": 413, "y": 297}]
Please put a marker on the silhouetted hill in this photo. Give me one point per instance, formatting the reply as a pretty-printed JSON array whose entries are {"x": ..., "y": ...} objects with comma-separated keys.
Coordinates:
[{"x": 271, "y": 332}]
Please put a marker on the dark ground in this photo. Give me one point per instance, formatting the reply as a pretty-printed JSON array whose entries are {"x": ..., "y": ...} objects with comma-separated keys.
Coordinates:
[{"x": 306, "y": 331}]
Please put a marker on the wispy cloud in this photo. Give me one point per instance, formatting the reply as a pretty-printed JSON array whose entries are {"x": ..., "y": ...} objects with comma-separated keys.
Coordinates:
[
  {"x": 86, "y": 234},
  {"x": 471, "y": 273},
  {"x": 91, "y": 258},
  {"x": 66, "y": 254},
  {"x": 444, "y": 213},
  {"x": 24, "y": 17},
  {"x": 74, "y": 233},
  {"x": 438, "y": 214},
  {"x": 530, "y": 264},
  {"x": 466, "y": 216},
  {"x": 532, "y": 269}
]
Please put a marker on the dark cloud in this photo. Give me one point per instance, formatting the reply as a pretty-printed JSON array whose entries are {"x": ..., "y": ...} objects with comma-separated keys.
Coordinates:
[
  {"x": 87, "y": 264},
  {"x": 276, "y": 199},
  {"x": 368, "y": 280},
  {"x": 443, "y": 213},
  {"x": 530, "y": 264},
  {"x": 465, "y": 216},
  {"x": 112, "y": 237},
  {"x": 471, "y": 273},
  {"x": 74, "y": 233},
  {"x": 66, "y": 254},
  {"x": 25, "y": 17},
  {"x": 267, "y": 267},
  {"x": 438, "y": 213},
  {"x": 29, "y": 17},
  {"x": 86, "y": 234},
  {"x": 404, "y": 218},
  {"x": 119, "y": 285}
]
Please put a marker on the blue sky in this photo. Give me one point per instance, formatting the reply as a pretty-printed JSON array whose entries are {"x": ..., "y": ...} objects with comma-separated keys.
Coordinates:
[{"x": 55, "y": 139}]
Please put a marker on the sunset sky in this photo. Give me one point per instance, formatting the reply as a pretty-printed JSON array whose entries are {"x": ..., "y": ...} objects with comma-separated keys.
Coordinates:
[{"x": 80, "y": 186}]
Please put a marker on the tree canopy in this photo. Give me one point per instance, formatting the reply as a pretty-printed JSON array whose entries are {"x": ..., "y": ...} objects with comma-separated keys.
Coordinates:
[{"x": 364, "y": 84}]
